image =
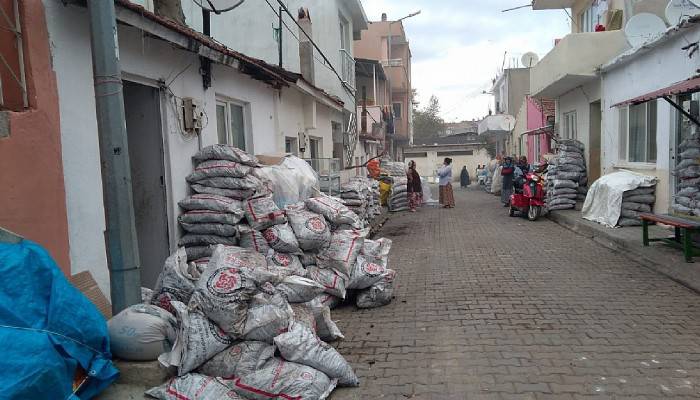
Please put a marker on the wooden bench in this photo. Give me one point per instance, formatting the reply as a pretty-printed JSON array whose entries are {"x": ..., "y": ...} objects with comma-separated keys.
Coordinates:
[{"x": 683, "y": 238}]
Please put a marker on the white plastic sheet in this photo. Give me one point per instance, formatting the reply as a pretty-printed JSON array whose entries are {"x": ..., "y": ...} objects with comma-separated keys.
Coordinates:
[
  {"x": 291, "y": 181},
  {"x": 604, "y": 199}
]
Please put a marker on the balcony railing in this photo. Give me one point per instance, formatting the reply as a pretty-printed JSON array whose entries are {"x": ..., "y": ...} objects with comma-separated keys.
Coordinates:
[
  {"x": 394, "y": 62},
  {"x": 328, "y": 170},
  {"x": 347, "y": 69}
]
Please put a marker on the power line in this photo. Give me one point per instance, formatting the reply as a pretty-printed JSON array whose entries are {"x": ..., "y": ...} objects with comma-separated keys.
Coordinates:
[
  {"x": 295, "y": 36},
  {"x": 286, "y": 10}
]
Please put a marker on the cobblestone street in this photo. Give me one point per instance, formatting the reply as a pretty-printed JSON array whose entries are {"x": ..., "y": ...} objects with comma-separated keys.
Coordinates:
[{"x": 492, "y": 307}]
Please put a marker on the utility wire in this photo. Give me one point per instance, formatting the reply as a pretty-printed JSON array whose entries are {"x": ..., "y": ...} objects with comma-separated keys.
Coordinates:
[
  {"x": 286, "y": 10},
  {"x": 295, "y": 36}
]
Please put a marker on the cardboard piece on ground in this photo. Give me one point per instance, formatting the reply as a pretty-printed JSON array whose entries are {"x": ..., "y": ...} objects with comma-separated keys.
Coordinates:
[{"x": 84, "y": 282}]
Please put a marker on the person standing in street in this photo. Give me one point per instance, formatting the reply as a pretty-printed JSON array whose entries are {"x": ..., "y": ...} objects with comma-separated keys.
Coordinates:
[
  {"x": 464, "y": 180},
  {"x": 447, "y": 199},
  {"x": 507, "y": 173},
  {"x": 415, "y": 188}
]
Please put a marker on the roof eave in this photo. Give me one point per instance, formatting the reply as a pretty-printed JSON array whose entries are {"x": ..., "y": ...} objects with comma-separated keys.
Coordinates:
[{"x": 359, "y": 17}]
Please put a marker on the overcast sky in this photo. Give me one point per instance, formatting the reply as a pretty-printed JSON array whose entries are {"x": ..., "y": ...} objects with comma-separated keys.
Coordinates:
[{"x": 458, "y": 45}]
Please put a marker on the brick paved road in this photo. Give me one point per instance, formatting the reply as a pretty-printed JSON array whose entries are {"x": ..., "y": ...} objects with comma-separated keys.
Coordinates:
[{"x": 491, "y": 307}]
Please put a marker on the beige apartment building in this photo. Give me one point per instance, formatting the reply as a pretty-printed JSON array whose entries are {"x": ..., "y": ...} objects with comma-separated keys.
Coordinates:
[{"x": 385, "y": 42}]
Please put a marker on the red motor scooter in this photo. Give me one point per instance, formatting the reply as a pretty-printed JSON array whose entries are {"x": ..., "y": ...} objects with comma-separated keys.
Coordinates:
[{"x": 529, "y": 200}]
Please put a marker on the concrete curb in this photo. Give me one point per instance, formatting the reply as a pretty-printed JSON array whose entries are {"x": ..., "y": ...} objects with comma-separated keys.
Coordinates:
[{"x": 664, "y": 261}]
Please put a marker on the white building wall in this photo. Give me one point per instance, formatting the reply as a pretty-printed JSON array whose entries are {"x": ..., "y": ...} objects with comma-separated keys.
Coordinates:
[
  {"x": 663, "y": 66},
  {"x": 79, "y": 141},
  {"x": 427, "y": 166},
  {"x": 579, "y": 99},
  {"x": 148, "y": 61},
  {"x": 249, "y": 30}
]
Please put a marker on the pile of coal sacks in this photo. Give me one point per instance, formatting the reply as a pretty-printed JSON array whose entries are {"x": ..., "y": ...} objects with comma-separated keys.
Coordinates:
[
  {"x": 567, "y": 180},
  {"x": 361, "y": 195},
  {"x": 239, "y": 321},
  {"x": 634, "y": 202},
  {"x": 398, "y": 200},
  {"x": 687, "y": 200},
  {"x": 222, "y": 181}
]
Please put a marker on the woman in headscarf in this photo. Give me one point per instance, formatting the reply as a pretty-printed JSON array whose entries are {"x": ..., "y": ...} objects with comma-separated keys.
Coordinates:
[
  {"x": 464, "y": 180},
  {"x": 507, "y": 173},
  {"x": 447, "y": 199},
  {"x": 415, "y": 188}
]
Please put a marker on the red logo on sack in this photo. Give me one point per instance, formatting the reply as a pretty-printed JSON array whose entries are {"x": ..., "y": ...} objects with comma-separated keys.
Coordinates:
[
  {"x": 270, "y": 235},
  {"x": 219, "y": 334},
  {"x": 225, "y": 280},
  {"x": 316, "y": 225},
  {"x": 281, "y": 259},
  {"x": 372, "y": 269},
  {"x": 307, "y": 376}
]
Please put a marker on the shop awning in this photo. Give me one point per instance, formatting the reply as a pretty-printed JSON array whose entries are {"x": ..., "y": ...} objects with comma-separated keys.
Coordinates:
[
  {"x": 689, "y": 85},
  {"x": 545, "y": 130}
]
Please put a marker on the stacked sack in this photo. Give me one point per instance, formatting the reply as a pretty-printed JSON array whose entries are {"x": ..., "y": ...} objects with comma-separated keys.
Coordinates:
[
  {"x": 687, "y": 200},
  {"x": 391, "y": 168},
  {"x": 222, "y": 180},
  {"x": 566, "y": 176},
  {"x": 256, "y": 318},
  {"x": 375, "y": 207},
  {"x": 355, "y": 195},
  {"x": 634, "y": 202},
  {"x": 398, "y": 200},
  {"x": 361, "y": 195}
]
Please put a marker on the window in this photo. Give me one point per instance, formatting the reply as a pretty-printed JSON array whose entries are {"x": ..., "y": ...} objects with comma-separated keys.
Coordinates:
[
  {"x": 338, "y": 146},
  {"x": 569, "y": 131},
  {"x": 416, "y": 155},
  {"x": 230, "y": 124},
  {"x": 397, "y": 110},
  {"x": 315, "y": 147},
  {"x": 291, "y": 146},
  {"x": 344, "y": 34},
  {"x": 638, "y": 132},
  {"x": 590, "y": 17}
]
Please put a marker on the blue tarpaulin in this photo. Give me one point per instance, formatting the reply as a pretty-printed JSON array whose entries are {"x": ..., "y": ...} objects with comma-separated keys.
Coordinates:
[{"x": 48, "y": 329}]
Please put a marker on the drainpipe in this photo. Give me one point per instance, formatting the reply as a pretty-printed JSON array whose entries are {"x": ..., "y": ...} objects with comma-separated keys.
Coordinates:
[{"x": 120, "y": 235}]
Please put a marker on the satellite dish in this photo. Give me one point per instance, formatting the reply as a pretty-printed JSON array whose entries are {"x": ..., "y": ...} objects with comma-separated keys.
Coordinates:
[
  {"x": 643, "y": 27},
  {"x": 218, "y": 6},
  {"x": 529, "y": 59},
  {"x": 676, "y": 10}
]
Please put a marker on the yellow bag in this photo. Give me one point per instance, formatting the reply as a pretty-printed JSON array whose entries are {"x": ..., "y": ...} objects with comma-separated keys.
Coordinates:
[{"x": 384, "y": 192}]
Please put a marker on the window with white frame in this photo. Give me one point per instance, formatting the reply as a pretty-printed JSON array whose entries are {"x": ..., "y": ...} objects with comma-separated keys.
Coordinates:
[
  {"x": 638, "y": 132},
  {"x": 231, "y": 123},
  {"x": 291, "y": 145},
  {"x": 344, "y": 33},
  {"x": 569, "y": 127}
]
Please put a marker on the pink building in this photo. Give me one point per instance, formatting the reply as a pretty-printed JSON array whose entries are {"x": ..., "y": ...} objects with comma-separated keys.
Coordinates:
[{"x": 540, "y": 115}]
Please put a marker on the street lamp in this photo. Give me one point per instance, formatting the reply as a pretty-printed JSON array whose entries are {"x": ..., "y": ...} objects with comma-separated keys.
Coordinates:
[{"x": 413, "y": 14}]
